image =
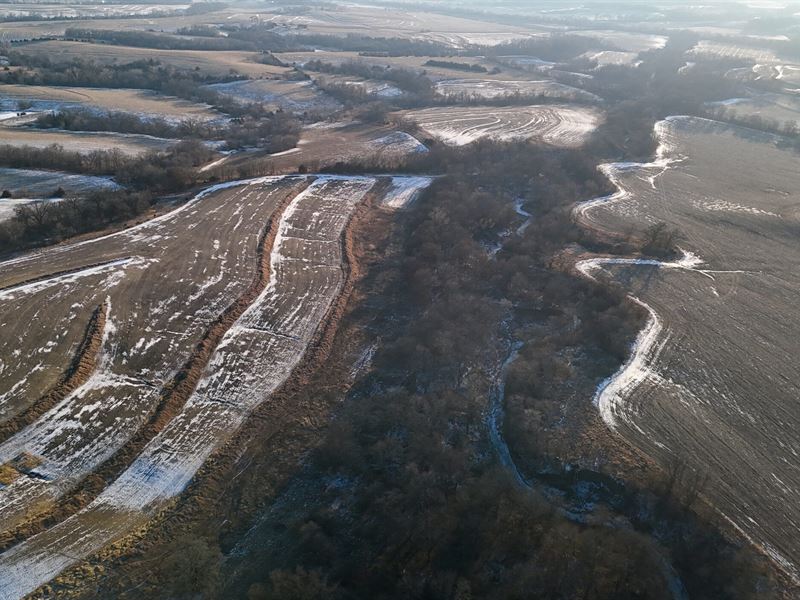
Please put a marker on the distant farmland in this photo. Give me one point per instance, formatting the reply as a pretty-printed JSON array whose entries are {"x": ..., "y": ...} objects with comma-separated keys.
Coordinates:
[
  {"x": 215, "y": 63},
  {"x": 143, "y": 102},
  {"x": 82, "y": 141},
  {"x": 556, "y": 125}
]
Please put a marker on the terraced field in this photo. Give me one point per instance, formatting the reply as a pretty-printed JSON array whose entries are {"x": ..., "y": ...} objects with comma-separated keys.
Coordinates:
[
  {"x": 565, "y": 126},
  {"x": 763, "y": 63},
  {"x": 42, "y": 184},
  {"x": 381, "y": 21},
  {"x": 200, "y": 313},
  {"x": 713, "y": 378},
  {"x": 783, "y": 108},
  {"x": 325, "y": 144}
]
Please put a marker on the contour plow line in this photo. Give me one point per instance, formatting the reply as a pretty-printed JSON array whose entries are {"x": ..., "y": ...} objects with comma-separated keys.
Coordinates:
[{"x": 254, "y": 357}]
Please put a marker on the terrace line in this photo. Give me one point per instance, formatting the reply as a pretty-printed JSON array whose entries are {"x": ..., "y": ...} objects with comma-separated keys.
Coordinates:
[{"x": 243, "y": 367}]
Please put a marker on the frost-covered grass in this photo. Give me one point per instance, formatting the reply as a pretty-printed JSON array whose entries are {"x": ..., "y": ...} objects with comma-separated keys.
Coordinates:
[
  {"x": 83, "y": 142},
  {"x": 42, "y": 184},
  {"x": 404, "y": 190}
]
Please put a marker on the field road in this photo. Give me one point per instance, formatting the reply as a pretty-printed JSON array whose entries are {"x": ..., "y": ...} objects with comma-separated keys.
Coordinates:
[
  {"x": 713, "y": 378},
  {"x": 162, "y": 284}
]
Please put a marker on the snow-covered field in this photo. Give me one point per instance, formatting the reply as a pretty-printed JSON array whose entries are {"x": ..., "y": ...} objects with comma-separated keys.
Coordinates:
[
  {"x": 733, "y": 51},
  {"x": 42, "y": 184},
  {"x": 53, "y": 10},
  {"x": 605, "y": 58},
  {"x": 565, "y": 126},
  {"x": 160, "y": 285},
  {"x": 143, "y": 102},
  {"x": 404, "y": 190},
  {"x": 397, "y": 144},
  {"x": 626, "y": 41},
  {"x": 296, "y": 96},
  {"x": 82, "y": 141},
  {"x": 491, "y": 88}
]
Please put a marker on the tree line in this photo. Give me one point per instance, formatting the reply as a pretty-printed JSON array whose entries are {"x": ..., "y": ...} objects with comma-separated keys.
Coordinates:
[{"x": 272, "y": 131}]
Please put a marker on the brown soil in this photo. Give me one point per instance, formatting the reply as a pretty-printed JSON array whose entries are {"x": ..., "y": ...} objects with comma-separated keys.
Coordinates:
[
  {"x": 83, "y": 364},
  {"x": 272, "y": 441}
]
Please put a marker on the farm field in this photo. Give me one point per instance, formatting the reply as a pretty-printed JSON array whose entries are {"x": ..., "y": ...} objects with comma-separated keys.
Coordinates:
[
  {"x": 551, "y": 124},
  {"x": 625, "y": 41},
  {"x": 137, "y": 101},
  {"x": 487, "y": 88},
  {"x": 383, "y": 321},
  {"x": 24, "y": 31},
  {"x": 712, "y": 378},
  {"x": 216, "y": 63},
  {"x": 765, "y": 64},
  {"x": 159, "y": 287},
  {"x": 783, "y": 108},
  {"x": 733, "y": 51},
  {"x": 30, "y": 183},
  {"x": 416, "y": 63},
  {"x": 377, "y": 21},
  {"x": 324, "y": 144},
  {"x": 605, "y": 58},
  {"x": 294, "y": 96},
  {"x": 82, "y": 141},
  {"x": 85, "y": 10}
]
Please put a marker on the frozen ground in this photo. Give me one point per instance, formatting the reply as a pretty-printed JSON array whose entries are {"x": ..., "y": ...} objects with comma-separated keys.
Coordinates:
[
  {"x": 712, "y": 377},
  {"x": 82, "y": 141},
  {"x": 156, "y": 307},
  {"x": 565, "y": 126},
  {"x": 404, "y": 190},
  {"x": 295, "y": 96},
  {"x": 494, "y": 88},
  {"x": 144, "y": 102},
  {"x": 42, "y": 184}
]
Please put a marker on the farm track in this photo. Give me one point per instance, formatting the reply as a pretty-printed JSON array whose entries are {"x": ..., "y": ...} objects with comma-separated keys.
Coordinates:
[{"x": 713, "y": 379}]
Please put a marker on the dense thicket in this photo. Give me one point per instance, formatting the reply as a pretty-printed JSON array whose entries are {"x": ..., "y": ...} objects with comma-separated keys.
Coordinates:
[
  {"x": 458, "y": 66},
  {"x": 414, "y": 503},
  {"x": 405, "y": 79}
]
